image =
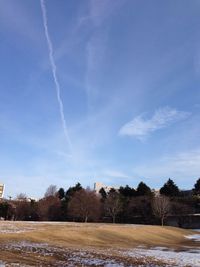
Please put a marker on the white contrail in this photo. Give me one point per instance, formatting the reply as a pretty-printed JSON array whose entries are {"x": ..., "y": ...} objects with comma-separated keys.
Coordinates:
[{"x": 54, "y": 72}]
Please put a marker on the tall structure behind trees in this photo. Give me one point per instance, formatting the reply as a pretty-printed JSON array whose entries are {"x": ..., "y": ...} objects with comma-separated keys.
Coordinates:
[
  {"x": 98, "y": 186},
  {"x": 2, "y": 187}
]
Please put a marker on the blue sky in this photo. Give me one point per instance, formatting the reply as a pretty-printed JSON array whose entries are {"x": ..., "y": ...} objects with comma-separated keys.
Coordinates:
[{"x": 128, "y": 74}]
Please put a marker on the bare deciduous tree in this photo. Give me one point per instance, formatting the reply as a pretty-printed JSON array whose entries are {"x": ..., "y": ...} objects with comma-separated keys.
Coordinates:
[
  {"x": 49, "y": 208},
  {"x": 85, "y": 204},
  {"x": 161, "y": 207},
  {"x": 51, "y": 191},
  {"x": 22, "y": 197},
  {"x": 113, "y": 205}
]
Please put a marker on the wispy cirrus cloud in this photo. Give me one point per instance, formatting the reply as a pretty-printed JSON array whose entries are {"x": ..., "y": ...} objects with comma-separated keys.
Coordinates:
[{"x": 140, "y": 127}]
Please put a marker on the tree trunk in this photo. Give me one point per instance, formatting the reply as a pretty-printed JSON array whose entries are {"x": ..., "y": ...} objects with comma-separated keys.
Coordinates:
[
  {"x": 86, "y": 219},
  {"x": 113, "y": 218},
  {"x": 162, "y": 221}
]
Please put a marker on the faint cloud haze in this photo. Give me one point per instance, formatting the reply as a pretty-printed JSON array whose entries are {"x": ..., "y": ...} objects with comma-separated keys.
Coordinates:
[
  {"x": 180, "y": 165},
  {"x": 101, "y": 10}
]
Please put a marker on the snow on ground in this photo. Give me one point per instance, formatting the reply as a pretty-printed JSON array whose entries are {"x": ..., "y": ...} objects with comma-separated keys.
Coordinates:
[
  {"x": 173, "y": 258},
  {"x": 2, "y": 264},
  {"x": 79, "y": 257},
  {"x": 11, "y": 227},
  {"x": 195, "y": 237},
  {"x": 143, "y": 257},
  {"x": 186, "y": 257}
]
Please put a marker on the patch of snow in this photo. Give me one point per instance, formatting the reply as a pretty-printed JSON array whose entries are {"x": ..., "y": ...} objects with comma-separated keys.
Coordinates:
[
  {"x": 96, "y": 262},
  {"x": 170, "y": 257},
  {"x": 14, "y": 227},
  {"x": 14, "y": 231},
  {"x": 195, "y": 237},
  {"x": 2, "y": 264},
  {"x": 141, "y": 256}
]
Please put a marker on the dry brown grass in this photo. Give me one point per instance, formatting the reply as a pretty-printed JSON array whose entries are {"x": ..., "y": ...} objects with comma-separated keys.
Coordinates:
[
  {"x": 97, "y": 235},
  {"x": 73, "y": 236}
]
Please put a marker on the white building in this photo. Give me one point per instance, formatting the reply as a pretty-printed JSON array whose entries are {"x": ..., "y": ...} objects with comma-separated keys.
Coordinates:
[
  {"x": 156, "y": 192},
  {"x": 2, "y": 187},
  {"x": 98, "y": 186}
]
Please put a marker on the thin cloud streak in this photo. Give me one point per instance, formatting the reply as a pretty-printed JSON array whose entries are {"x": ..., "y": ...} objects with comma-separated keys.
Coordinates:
[
  {"x": 54, "y": 72},
  {"x": 140, "y": 128}
]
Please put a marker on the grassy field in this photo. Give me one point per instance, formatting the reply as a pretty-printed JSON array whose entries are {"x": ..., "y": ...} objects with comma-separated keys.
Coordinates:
[{"x": 54, "y": 244}]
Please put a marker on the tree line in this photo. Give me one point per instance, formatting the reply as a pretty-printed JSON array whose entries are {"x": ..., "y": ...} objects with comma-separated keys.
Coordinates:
[{"x": 125, "y": 205}]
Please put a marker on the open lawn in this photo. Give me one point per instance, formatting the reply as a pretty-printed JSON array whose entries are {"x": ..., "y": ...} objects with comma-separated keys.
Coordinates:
[{"x": 80, "y": 244}]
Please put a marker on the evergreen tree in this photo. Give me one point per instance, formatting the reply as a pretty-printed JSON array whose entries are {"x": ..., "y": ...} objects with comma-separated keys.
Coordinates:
[
  {"x": 70, "y": 192},
  {"x": 103, "y": 194},
  {"x": 143, "y": 190},
  {"x": 78, "y": 187},
  {"x": 112, "y": 190},
  {"x": 61, "y": 193},
  {"x": 127, "y": 191},
  {"x": 196, "y": 189},
  {"x": 4, "y": 206},
  {"x": 170, "y": 189}
]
